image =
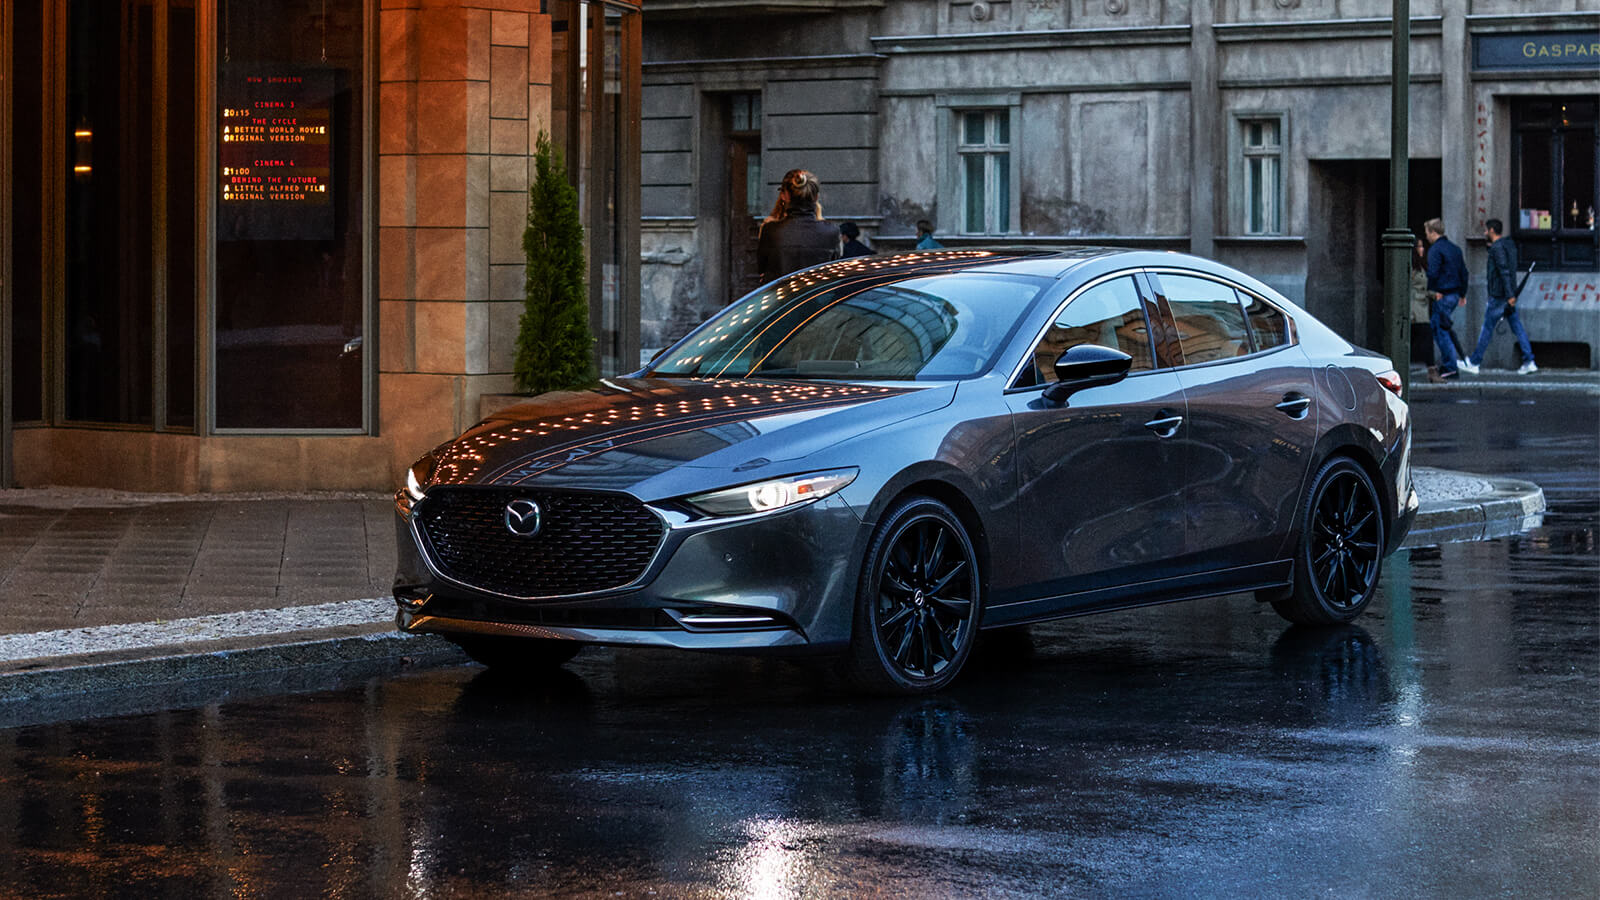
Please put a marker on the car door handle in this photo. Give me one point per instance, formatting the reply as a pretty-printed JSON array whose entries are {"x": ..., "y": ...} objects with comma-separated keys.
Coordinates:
[
  {"x": 1295, "y": 405},
  {"x": 1166, "y": 427}
]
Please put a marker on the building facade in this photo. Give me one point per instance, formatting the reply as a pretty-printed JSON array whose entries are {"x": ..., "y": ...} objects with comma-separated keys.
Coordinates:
[
  {"x": 277, "y": 244},
  {"x": 1255, "y": 132}
]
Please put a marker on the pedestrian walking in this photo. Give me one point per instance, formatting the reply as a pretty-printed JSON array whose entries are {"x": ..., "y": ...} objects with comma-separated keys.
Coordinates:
[
  {"x": 1447, "y": 289},
  {"x": 925, "y": 239},
  {"x": 795, "y": 235},
  {"x": 1501, "y": 284},
  {"x": 1421, "y": 302},
  {"x": 850, "y": 241}
]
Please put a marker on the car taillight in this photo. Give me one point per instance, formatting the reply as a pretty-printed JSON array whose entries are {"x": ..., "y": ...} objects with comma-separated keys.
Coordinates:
[{"x": 1391, "y": 380}]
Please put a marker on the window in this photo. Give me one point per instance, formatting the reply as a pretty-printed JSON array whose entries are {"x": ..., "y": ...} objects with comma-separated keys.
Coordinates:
[
  {"x": 1268, "y": 326},
  {"x": 1262, "y": 146},
  {"x": 1553, "y": 186},
  {"x": 291, "y": 297},
  {"x": 744, "y": 132},
  {"x": 984, "y": 150},
  {"x": 929, "y": 328},
  {"x": 1209, "y": 319},
  {"x": 1109, "y": 314}
]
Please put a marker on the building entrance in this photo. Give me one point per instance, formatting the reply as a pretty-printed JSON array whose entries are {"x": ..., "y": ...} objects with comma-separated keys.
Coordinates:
[{"x": 1349, "y": 209}]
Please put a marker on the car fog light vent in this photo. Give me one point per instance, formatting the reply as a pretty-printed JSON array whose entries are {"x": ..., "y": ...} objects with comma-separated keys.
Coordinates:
[{"x": 726, "y": 619}]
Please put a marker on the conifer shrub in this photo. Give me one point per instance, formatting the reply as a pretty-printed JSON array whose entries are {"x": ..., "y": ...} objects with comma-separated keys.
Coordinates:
[{"x": 553, "y": 342}]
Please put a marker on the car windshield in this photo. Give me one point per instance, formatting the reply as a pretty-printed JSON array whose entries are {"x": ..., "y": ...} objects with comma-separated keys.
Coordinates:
[{"x": 936, "y": 327}]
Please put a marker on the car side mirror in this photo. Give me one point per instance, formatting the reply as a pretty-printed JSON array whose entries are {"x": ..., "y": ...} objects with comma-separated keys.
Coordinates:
[{"x": 1086, "y": 366}]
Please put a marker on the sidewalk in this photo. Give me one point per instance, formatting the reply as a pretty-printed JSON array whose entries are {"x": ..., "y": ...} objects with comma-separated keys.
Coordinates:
[
  {"x": 104, "y": 590},
  {"x": 1507, "y": 381}
]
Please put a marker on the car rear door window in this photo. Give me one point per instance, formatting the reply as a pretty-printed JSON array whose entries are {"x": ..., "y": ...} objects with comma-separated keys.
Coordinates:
[
  {"x": 1209, "y": 318},
  {"x": 1268, "y": 325},
  {"x": 1110, "y": 314}
]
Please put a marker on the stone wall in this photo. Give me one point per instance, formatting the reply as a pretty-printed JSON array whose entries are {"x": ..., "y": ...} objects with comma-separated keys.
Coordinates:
[{"x": 463, "y": 91}]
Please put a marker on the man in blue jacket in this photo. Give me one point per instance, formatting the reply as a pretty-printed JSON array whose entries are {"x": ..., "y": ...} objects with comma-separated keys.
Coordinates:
[
  {"x": 1502, "y": 290},
  {"x": 1447, "y": 289}
]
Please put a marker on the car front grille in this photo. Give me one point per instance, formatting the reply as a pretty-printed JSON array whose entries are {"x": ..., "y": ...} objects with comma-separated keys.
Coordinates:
[{"x": 586, "y": 541}]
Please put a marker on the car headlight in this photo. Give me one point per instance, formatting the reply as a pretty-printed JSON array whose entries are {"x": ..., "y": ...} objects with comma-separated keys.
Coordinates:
[
  {"x": 771, "y": 496},
  {"x": 418, "y": 475}
]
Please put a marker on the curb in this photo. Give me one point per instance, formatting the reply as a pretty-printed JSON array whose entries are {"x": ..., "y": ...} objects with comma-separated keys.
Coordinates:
[
  {"x": 1502, "y": 384},
  {"x": 1504, "y": 507},
  {"x": 128, "y": 682}
]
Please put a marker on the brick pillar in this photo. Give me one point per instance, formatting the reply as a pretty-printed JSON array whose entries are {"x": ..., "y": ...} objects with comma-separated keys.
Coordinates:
[{"x": 462, "y": 87}]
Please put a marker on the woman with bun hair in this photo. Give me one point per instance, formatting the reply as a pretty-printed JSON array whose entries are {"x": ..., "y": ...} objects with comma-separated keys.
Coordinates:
[{"x": 795, "y": 235}]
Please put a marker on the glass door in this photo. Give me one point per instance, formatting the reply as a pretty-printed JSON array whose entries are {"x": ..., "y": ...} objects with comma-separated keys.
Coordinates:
[{"x": 122, "y": 197}]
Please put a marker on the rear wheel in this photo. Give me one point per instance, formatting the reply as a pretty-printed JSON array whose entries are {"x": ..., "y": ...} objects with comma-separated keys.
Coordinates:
[
  {"x": 504, "y": 654},
  {"x": 918, "y": 604},
  {"x": 1340, "y": 554}
]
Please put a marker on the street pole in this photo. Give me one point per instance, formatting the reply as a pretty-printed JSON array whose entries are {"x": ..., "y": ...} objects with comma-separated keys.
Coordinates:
[{"x": 1397, "y": 238}]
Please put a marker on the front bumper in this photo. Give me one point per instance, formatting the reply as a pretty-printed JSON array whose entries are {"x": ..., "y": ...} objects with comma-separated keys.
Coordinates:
[{"x": 778, "y": 583}]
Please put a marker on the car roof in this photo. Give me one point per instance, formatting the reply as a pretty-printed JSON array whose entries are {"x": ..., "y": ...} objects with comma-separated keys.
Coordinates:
[{"x": 1008, "y": 261}]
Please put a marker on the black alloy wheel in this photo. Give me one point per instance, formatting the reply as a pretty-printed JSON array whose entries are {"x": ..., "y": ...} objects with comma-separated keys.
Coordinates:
[
  {"x": 1341, "y": 548},
  {"x": 918, "y": 609}
]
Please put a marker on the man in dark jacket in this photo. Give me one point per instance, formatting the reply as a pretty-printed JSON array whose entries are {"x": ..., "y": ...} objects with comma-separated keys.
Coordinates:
[
  {"x": 850, "y": 234},
  {"x": 795, "y": 235},
  {"x": 1447, "y": 288},
  {"x": 1502, "y": 290}
]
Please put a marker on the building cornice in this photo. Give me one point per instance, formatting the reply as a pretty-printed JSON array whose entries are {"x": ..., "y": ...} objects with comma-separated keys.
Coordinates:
[
  {"x": 895, "y": 45},
  {"x": 830, "y": 62},
  {"x": 1533, "y": 22},
  {"x": 1322, "y": 29},
  {"x": 706, "y": 9}
]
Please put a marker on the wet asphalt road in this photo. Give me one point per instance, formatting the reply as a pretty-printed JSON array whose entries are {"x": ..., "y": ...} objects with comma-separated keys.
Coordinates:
[{"x": 1448, "y": 745}]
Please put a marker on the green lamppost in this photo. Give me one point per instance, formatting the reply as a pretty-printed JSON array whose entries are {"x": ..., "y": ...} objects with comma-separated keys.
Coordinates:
[{"x": 1397, "y": 238}]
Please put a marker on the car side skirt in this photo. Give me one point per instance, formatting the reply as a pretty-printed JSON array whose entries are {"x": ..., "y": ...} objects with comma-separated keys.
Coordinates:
[{"x": 1244, "y": 579}]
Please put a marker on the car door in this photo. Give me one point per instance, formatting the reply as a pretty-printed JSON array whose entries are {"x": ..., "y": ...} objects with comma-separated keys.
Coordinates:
[
  {"x": 1101, "y": 475},
  {"x": 1252, "y": 422}
]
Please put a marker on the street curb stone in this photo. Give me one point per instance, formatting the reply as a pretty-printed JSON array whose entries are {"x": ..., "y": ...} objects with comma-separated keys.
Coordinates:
[
  {"x": 1499, "y": 382},
  {"x": 1501, "y": 507},
  {"x": 92, "y": 685}
]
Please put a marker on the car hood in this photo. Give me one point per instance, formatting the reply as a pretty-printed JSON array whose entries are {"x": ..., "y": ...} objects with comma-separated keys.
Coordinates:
[{"x": 627, "y": 431}]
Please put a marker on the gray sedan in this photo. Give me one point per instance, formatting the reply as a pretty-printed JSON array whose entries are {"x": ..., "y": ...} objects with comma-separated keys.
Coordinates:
[{"x": 878, "y": 457}]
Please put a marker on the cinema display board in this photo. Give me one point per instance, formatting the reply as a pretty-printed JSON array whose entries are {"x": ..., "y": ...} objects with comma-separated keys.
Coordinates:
[{"x": 275, "y": 155}]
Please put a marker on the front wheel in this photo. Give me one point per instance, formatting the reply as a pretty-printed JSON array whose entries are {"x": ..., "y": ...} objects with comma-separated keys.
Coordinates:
[
  {"x": 918, "y": 604},
  {"x": 1340, "y": 552}
]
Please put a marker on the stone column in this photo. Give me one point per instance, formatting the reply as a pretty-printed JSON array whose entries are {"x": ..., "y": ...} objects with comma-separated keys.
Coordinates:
[
  {"x": 463, "y": 86},
  {"x": 1205, "y": 113},
  {"x": 1456, "y": 144}
]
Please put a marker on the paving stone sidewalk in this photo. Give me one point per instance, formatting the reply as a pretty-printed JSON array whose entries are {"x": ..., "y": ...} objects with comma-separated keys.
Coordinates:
[{"x": 73, "y": 557}]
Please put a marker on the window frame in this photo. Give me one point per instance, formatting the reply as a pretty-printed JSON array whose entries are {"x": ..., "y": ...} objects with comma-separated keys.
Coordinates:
[
  {"x": 951, "y": 194},
  {"x": 1291, "y": 338},
  {"x": 1147, "y": 305},
  {"x": 990, "y": 149},
  {"x": 1551, "y": 243},
  {"x": 365, "y": 104},
  {"x": 1242, "y": 153}
]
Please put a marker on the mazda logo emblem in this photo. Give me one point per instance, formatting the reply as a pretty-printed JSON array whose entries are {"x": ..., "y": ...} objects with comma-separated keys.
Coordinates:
[{"x": 523, "y": 518}]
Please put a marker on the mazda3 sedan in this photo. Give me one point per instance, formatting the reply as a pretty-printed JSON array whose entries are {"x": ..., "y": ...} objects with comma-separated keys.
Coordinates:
[{"x": 877, "y": 458}]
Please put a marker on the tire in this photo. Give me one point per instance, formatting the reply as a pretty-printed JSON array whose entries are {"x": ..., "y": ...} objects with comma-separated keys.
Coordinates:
[
  {"x": 1339, "y": 555},
  {"x": 918, "y": 604},
  {"x": 516, "y": 655}
]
